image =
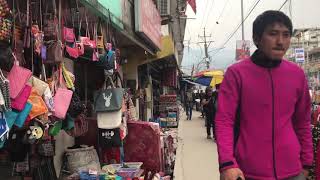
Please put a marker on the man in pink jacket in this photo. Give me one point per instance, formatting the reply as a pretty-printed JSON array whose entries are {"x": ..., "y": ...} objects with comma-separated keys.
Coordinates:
[{"x": 263, "y": 124}]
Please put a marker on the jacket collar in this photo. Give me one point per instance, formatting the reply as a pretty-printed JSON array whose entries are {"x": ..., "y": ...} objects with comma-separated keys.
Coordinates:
[{"x": 260, "y": 59}]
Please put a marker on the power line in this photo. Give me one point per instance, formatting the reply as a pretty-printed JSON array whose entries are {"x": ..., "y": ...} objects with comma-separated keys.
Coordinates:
[
  {"x": 223, "y": 9},
  {"x": 243, "y": 22},
  {"x": 209, "y": 13},
  {"x": 285, "y": 2},
  {"x": 255, "y": 5},
  {"x": 204, "y": 15}
]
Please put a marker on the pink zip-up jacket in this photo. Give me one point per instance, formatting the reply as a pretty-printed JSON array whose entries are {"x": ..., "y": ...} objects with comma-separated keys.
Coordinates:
[{"x": 275, "y": 140}]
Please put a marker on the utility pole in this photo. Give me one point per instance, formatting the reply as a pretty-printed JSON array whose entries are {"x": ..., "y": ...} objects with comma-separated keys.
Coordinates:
[
  {"x": 242, "y": 20},
  {"x": 206, "y": 46}
]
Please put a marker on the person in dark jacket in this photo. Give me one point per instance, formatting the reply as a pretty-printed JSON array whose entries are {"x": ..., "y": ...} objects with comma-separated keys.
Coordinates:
[
  {"x": 269, "y": 98},
  {"x": 202, "y": 97}
]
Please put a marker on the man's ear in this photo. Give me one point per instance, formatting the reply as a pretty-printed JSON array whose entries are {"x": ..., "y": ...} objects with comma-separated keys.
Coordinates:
[{"x": 256, "y": 40}]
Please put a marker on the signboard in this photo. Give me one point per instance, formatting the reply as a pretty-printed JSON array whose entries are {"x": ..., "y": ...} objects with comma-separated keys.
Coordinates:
[
  {"x": 148, "y": 22},
  {"x": 299, "y": 55},
  {"x": 243, "y": 49}
]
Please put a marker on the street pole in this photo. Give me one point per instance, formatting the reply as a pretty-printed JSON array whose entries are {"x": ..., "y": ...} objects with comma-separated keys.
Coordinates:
[
  {"x": 242, "y": 20},
  {"x": 205, "y": 43},
  {"x": 206, "y": 49},
  {"x": 206, "y": 46}
]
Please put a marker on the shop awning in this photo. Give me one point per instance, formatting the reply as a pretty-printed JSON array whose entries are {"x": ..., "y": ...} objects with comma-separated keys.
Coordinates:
[
  {"x": 166, "y": 53},
  {"x": 190, "y": 82},
  {"x": 167, "y": 48}
]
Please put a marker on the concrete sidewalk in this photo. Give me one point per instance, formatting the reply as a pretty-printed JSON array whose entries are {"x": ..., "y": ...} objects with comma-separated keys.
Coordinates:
[{"x": 197, "y": 157}]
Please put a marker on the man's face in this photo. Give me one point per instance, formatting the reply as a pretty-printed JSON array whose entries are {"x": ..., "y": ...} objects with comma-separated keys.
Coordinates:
[
  {"x": 275, "y": 41},
  {"x": 209, "y": 92}
]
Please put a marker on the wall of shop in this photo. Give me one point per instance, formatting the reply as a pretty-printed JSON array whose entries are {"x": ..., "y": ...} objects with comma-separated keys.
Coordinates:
[
  {"x": 134, "y": 58},
  {"x": 63, "y": 140}
]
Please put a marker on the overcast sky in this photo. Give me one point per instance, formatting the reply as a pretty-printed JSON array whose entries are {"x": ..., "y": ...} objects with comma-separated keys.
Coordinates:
[{"x": 304, "y": 14}]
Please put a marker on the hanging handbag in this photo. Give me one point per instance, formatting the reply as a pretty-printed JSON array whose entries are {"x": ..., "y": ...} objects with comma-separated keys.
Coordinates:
[
  {"x": 4, "y": 128},
  {"x": 38, "y": 105},
  {"x": 18, "y": 77},
  {"x": 54, "y": 48},
  {"x": 81, "y": 126},
  {"x": 109, "y": 138},
  {"x": 23, "y": 115},
  {"x": 89, "y": 46},
  {"x": 61, "y": 99},
  {"x": 48, "y": 99},
  {"x": 5, "y": 29},
  {"x": 132, "y": 115},
  {"x": 5, "y": 10},
  {"x": 39, "y": 85},
  {"x": 6, "y": 57},
  {"x": 5, "y": 91},
  {"x": 76, "y": 106},
  {"x": 54, "y": 52},
  {"x": 68, "y": 34},
  {"x": 73, "y": 52},
  {"x": 68, "y": 77},
  {"x": 108, "y": 100},
  {"x": 20, "y": 101}
]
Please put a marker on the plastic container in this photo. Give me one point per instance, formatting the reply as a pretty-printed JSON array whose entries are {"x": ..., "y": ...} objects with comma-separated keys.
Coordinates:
[
  {"x": 127, "y": 172},
  {"x": 136, "y": 165}
]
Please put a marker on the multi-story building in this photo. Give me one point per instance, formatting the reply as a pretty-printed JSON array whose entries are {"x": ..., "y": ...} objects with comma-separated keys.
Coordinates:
[{"x": 309, "y": 40}]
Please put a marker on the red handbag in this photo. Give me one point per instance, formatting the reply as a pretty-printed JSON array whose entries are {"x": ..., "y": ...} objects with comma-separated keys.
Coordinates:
[{"x": 73, "y": 52}]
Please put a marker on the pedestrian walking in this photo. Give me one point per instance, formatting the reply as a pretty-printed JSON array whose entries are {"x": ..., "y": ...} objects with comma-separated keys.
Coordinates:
[
  {"x": 202, "y": 97},
  {"x": 266, "y": 99},
  {"x": 210, "y": 110},
  {"x": 190, "y": 102}
]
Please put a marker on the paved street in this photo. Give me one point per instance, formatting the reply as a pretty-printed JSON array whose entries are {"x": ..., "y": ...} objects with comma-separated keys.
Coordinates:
[{"x": 197, "y": 157}]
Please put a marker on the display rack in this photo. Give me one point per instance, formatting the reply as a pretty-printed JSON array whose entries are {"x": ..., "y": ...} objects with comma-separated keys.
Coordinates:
[{"x": 169, "y": 111}]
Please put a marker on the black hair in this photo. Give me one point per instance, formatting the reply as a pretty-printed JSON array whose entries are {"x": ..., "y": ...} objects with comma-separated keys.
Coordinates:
[
  {"x": 218, "y": 86},
  {"x": 268, "y": 18},
  {"x": 208, "y": 89}
]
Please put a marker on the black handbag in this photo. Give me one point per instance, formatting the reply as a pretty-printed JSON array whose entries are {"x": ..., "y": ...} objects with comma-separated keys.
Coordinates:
[
  {"x": 76, "y": 107},
  {"x": 109, "y": 138},
  {"x": 6, "y": 57}
]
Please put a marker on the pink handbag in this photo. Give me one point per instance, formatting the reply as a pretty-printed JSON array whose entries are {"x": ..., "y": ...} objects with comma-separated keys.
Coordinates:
[
  {"x": 68, "y": 34},
  {"x": 87, "y": 42},
  {"x": 20, "y": 101},
  {"x": 61, "y": 100},
  {"x": 18, "y": 77}
]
